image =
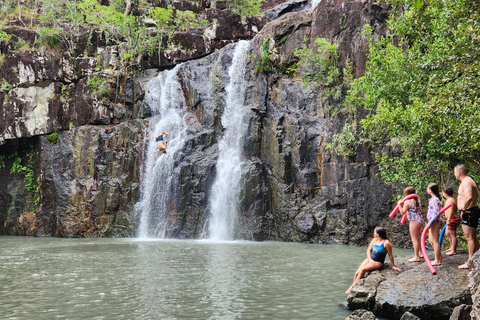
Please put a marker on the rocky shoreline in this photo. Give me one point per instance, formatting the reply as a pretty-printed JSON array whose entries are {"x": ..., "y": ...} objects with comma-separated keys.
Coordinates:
[{"x": 414, "y": 293}]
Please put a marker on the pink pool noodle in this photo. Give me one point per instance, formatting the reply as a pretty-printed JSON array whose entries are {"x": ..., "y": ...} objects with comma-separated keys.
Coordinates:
[
  {"x": 398, "y": 206},
  {"x": 424, "y": 235}
]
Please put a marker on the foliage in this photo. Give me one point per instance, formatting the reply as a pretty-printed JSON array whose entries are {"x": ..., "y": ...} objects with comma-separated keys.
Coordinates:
[
  {"x": 52, "y": 137},
  {"x": 345, "y": 143},
  {"x": 48, "y": 37},
  {"x": 20, "y": 45},
  {"x": 321, "y": 67},
  {"x": 28, "y": 172},
  {"x": 265, "y": 64},
  {"x": 422, "y": 89},
  {"x": 245, "y": 7},
  {"x": 99, "y": 86},
  {"x": 6, "y": 86},
  {"x": 5, "y": 36}
]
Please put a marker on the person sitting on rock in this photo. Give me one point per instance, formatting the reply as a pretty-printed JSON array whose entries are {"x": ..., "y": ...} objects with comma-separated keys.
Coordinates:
[
  {"x": 452, "y": 220},
  {"x": 376, "y": 252},
  {"x": 161, "y": 143}
]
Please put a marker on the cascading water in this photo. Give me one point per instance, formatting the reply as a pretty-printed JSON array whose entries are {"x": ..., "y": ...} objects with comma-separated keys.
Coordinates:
[
  {"x": 230, "y": 164},
  {"x": 164, "y": 96},
  {"x": 314, "y": 3}
]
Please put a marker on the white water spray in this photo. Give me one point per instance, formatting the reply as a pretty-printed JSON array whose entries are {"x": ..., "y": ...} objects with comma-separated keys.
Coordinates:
[
  {"x": 230, "y": 164},
  {"x": 164, "y": 96},
  {"x": 314, "y": 4}
]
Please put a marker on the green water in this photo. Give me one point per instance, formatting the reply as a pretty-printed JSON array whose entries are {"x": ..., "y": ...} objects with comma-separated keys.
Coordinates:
[{"x": 51, "y": 278}]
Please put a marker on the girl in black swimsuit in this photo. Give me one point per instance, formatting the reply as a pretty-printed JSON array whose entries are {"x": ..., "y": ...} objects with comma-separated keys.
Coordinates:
[{"x": 376, "y": 252}]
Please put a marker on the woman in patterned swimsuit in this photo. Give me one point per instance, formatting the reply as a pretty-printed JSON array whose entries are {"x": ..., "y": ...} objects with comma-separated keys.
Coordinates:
[
  {"x": 435, "y": 222},
  {"x": 412, "y": 208},
  {"x": 376, "y": 252}
]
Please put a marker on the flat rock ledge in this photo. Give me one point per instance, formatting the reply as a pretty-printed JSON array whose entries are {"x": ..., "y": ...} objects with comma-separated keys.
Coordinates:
[{"x": 390, "y": 294}]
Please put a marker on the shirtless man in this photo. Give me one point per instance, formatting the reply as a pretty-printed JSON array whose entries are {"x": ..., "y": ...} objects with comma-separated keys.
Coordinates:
[
  {"x": 161, "y": 143},
  {"x": 468, "y": 209}
]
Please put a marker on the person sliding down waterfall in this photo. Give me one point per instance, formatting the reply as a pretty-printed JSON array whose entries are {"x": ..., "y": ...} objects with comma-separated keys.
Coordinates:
[{"x": 161, "y": 143}]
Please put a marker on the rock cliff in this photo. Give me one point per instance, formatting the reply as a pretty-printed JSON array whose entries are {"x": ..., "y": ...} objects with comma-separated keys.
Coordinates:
[{"x": 88, "y": 180}]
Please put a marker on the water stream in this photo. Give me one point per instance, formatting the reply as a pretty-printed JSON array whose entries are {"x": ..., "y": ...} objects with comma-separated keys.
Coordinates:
[
  {"x": 230, "y": 163},
  {"x": 164, "y": 96},
  {"x": 53, "y": 278}
]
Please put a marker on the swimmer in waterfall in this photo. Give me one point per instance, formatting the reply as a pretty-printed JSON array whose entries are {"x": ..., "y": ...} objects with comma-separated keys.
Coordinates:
[
  {"x": 376, "y": 252},
  {"x": 161, "y": 143}
]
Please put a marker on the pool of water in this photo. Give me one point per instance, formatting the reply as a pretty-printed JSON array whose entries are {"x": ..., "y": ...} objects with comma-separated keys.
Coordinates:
[{"x": 52, "y": 278}]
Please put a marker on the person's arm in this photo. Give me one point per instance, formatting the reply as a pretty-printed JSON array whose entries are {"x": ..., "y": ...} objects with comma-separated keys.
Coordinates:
[
  {"x": 404, "y": 206},
  {"x": 369, "y": 250},
  {"x": 388, "y": 246},
  {"x": 448, "y": 212}
]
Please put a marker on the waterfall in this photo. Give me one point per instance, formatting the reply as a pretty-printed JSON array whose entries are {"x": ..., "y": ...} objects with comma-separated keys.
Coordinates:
[
  {"x": 164, "y": 96},
  {"x": 314, "y": 3},
  {"x": 230, "y": 164}
]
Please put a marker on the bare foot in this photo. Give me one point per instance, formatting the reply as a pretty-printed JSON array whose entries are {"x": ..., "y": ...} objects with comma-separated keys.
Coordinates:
[
  {"x": 421, "y": 256},
  {"x": 451, "y": 253},
  {"x": 436, "y": 263},
  {"x": 443, "y": 259},
  {"x": 463, "y": 266},
  {"x": 414, "y": 259}
]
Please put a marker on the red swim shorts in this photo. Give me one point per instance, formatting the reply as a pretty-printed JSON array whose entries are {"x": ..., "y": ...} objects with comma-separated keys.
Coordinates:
[{"x": 454, "y": 223}]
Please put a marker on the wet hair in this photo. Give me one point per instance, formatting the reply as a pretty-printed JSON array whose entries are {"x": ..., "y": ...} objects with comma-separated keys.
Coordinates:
[
  {"x": 411, "y": 190},
  {"x": 461, "y": 168},
  {"x": 448, "y": 191},
  {"x": 434, "y": 188},
  {"x": 382, "y": 232}
]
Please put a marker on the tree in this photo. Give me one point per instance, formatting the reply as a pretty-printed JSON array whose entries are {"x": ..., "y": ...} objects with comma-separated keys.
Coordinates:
[{"x": 422, "y": 89}]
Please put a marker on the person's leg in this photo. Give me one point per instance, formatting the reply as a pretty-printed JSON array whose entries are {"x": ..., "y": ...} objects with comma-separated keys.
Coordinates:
[
  {"x": 364, "y": 263},
  {"x": 415, "y": 228},
  {"x": 364, "y": 268},
  {"x": 452, "y": 238},
  {"x": 472, "y": 242},
  {"x": 433, "y": 235}
]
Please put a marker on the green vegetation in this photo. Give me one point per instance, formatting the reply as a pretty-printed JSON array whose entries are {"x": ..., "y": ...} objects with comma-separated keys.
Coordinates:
[
  {"x": 422, "y": 91},
  {"x": 321, "y": 68},
  {"x": 6, "y": 86},
  {"x": 265, "y": 64},
  {"x": 99, "y": 87},
  {"x": 245, "y": 7},
  {"x": 52, "y": 137},
  {"x": 49, "y": 38},
  {"x": 62, "y": 22},
  {"x": 27, "y": 171}
]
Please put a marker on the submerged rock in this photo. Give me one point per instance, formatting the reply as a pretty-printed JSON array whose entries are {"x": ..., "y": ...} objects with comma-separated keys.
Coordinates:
[{"x": 390, "y": 294}]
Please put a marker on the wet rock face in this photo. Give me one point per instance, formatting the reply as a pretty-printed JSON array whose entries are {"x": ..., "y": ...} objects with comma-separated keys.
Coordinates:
[
  {"x": 390, "y": 294},
  {"x": 90, "y": 181},
  {"x": 294, "y": 188}
]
